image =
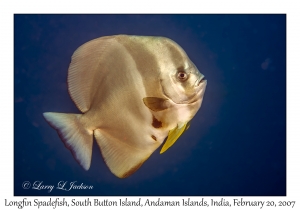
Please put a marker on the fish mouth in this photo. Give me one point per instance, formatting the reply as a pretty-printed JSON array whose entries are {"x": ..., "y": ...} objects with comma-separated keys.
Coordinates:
[{"x": 199, "y": 81}]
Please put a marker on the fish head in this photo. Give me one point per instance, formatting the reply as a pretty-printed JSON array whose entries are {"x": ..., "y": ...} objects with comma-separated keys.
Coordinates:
[{"x": 181, "y": 80}]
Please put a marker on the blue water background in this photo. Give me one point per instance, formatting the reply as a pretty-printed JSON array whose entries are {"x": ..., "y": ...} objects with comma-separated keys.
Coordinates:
[{"x": 236, "y": 144}]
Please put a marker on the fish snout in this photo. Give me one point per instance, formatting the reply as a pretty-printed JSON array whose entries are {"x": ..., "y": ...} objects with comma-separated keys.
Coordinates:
[{"x": 200, "y": 80}]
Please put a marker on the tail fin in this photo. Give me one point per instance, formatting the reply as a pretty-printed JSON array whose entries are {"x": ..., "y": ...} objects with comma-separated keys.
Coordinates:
[{"x": 75, "y": 137}]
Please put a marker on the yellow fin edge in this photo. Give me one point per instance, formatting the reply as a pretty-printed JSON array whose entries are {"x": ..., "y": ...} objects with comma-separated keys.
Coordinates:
[{"x": 174, "y": 134}]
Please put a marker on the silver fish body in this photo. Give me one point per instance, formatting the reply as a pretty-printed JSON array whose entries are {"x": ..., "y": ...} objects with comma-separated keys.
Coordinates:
[{"x": 133, "y": 92}]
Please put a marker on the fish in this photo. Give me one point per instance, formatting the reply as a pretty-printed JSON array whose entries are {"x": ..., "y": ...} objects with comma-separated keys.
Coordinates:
[{"x": 134, "y": 94}]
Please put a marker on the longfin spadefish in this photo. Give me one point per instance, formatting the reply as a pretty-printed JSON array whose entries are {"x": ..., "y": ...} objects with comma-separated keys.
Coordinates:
[
  {"x": 122, "y": 159},
  {"x": 174, "y": 134},
  {"x": 75, "y": 137}
]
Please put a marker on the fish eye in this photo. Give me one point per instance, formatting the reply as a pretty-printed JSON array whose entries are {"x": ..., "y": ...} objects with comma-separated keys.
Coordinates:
[{"x": 182, "y": 76}]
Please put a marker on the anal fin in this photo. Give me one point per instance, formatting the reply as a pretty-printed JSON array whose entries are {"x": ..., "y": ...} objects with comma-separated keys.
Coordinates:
[{"x": 121, "y": 158}]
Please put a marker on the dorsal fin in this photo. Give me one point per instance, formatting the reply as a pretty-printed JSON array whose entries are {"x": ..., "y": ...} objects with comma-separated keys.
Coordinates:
[{"x": 83, "y": 69}]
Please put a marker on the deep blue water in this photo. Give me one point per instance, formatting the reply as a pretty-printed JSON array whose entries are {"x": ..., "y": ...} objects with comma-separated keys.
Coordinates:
[{"x": 236, "y": 144}]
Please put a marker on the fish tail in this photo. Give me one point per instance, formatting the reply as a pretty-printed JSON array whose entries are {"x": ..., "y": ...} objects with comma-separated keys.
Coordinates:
[{"x": 74, "y": 135}]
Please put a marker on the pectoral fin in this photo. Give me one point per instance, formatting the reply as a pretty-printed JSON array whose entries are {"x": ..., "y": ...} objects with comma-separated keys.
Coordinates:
[
  {"x": 174, "y": 134},
  {"x": 156, "y": 104}
]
